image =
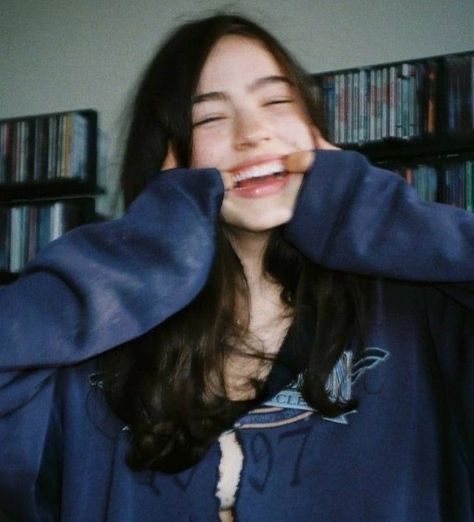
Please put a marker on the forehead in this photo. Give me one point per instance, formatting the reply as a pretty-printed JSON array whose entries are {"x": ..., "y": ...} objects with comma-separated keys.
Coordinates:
[{"x": 236, "y": 61}]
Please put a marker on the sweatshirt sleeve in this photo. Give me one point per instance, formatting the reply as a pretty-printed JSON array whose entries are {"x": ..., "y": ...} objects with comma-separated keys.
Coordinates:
[
  {"x": 103, "y": 284},
  {"x": 452, "y": 334},
  {"x": 354, "y": 217},
  {"x": 92, "y": 289}
]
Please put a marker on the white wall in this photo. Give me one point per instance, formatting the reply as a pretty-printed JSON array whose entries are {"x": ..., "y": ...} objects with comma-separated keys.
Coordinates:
[{"x": 57, "y": 55}]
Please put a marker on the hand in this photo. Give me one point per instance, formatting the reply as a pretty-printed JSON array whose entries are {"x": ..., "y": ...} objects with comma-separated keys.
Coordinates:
[{"x": 300, "y": 162}]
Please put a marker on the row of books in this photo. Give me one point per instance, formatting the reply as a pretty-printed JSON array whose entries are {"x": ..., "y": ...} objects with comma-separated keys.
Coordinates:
[
  {"x": 460, "y": 93},
  {"x": 397, "y": 101},
  {"x": 26, "y": 229},
  {"x": 44, "y": 148},
  {"x": 451, "y": 183},
  {"x": 382, "y": 102}
]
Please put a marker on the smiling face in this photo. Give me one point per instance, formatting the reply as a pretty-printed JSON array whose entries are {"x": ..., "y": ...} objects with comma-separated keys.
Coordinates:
[{"x": 247, "y": 116}]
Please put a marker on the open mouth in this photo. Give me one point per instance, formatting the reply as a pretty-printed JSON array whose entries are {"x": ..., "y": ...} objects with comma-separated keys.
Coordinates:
[{"x": 257, "y": 175}]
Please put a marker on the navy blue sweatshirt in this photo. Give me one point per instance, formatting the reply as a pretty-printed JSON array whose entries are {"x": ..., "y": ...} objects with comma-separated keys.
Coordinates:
[{"x": 405, "y": 454}]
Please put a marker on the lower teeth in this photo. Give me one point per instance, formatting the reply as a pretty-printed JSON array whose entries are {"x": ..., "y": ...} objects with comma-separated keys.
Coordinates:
[{"x": 280, "y": 174}]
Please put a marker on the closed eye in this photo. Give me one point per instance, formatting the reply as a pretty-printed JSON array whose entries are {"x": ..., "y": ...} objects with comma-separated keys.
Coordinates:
[
  {"x": 210, "y": 119},
  {"x": 278, "y": 101}
]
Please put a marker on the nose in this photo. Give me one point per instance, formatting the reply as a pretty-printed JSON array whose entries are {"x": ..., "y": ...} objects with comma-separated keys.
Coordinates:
[{"x": 250, "y": 130}]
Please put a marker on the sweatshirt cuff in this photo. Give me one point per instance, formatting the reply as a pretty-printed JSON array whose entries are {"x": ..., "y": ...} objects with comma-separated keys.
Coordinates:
[
  {"x": 325, "y": 192},
  {"x": 202, "y": 188}
]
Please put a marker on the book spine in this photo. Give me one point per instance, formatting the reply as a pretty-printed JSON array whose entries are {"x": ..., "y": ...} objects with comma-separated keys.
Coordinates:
[
  {"x": 57, "y": 220},
  {"x": 328, "y": 101},
  {"x": 333, "y": 107},
  {"x": 356, "y": 108},
  {"x": 44, "y": 227},
  {"x": 31, "y": 245},
  {"x": 466, "y": 95},
  {"x": 60, "y": 147},
  {"x": 4, "y": 238},
  {"x": 470, "y": 186},
  {"x": 342, "y": 111},
  {"x": 7, "y": 158},
  {"x": 15, "y": 238},
  {"x": 84, "y": 140},
  {"x": 372, "y": 105},
  {"x": 431, "y": 99},
  {"x": 36, "y": 174},
  {"x": 405, "y": 101},
  {"x": 385, "y": 103},
  {"x": 21, "y": 151},
  {"x": 349, "y": 107},
  {"x": 30, "y": 166},
  {"x": 363, "y": 134},
  {"x": 51, "y": 147},
  {"x": 337, "y": 108},
  {"x": 399, "y": 115},
  {"x": 378, "y": 104},
  {"x": 3, "y": 177},
  {"x": 471, "y": 90},
  {"x": 392, "y": 115},
  {"x": 418, "y": 71},
  {"x": 17, "y": 153},
  {"x": 411, "y": 104},
  {"x": 68, "y": 145}
]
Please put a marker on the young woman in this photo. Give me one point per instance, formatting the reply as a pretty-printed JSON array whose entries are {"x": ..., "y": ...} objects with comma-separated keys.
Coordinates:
[{"x": 275, "y": 330}]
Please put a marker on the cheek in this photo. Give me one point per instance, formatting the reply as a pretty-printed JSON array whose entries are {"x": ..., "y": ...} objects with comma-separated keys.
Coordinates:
[
  {"x": 207, "y": 152},
  {"x": 297, "y": 132},
  {"x": 198, "y": 158}
]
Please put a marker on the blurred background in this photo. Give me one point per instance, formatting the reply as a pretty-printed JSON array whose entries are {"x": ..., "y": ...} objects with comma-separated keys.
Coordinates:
[{"x": 57, "y": 55}]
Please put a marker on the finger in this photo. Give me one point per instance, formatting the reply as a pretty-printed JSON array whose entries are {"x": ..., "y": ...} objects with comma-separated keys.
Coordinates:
[
  {"x": 227, "y": 180},
  {"x": 299, "y": 162},
  {"x": 170, "y": 159}
]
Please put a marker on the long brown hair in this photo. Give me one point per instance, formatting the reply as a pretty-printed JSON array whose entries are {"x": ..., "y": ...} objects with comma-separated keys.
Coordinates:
[{"x": 168, "y": 385}]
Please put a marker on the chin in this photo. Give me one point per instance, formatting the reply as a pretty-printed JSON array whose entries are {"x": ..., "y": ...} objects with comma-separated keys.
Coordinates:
[{"x": 259, "y": 223}]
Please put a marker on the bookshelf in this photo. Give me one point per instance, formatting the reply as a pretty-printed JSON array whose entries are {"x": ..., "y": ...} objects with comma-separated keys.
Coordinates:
[
  {"x": 414, "y": 117},
  {"x": 48, "y": 182}
]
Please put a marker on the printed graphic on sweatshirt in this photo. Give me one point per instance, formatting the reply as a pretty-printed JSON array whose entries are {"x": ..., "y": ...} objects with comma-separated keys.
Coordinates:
[{"x": 288, "y": 407}]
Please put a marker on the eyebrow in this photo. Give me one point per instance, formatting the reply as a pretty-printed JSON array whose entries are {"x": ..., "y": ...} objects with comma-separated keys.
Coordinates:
[
  {"x": 256, "y": 84},
  {"x": 261, "y": 82}
]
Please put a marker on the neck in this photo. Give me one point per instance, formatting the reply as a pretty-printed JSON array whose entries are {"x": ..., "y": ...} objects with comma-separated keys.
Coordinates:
[
  {"x": 268, "y": 317},
  {"x": 250, "y": 248},
  {"x": 264, "y": 293}
]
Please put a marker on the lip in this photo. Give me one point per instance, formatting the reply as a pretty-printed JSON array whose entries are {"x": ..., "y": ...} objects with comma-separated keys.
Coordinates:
[
  {"x": 252, "y": 162},
  {"x": 262, "y": 187},
  {"x": 259, "y": 186}
]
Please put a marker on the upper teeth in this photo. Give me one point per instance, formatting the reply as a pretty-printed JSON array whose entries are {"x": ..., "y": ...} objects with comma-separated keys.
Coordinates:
[{"x": 258, "y": 171}]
